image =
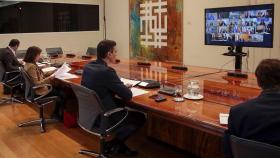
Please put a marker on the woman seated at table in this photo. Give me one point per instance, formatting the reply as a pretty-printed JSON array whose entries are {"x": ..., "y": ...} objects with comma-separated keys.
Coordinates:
[{"x": 38, "y": 77}]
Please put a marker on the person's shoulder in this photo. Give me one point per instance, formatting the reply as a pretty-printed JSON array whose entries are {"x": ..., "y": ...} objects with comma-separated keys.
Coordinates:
[
  {"x": 8, "y": 53},
  {"x": 93, "y": 65},
  {"x": 96, "y": 69},
  {"x": 5, "y": 50},
  {"x": 111, "y": 70},
  {"x": 241, "y": 111},
  {"x": 245, "y": 106},
  {"x": 28, "y": 66}
]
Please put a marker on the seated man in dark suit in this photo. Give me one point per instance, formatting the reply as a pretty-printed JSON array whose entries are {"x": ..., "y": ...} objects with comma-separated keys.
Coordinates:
[
  {"x": 8, "y": 56},
  {"x": 9, "y": 60},
  {"x": 101, "y": 78},
  {"x": 258, "y": 119}
]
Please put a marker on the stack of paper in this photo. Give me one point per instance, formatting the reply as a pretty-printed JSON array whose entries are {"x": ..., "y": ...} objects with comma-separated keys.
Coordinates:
[
  {"x": 223, "y": 118},
  {"x": 62, "y": 73},
  {"x": 128, "y": 81},
  {"x": 66, "y": 76},
  {"x": 138, "y": 92}
]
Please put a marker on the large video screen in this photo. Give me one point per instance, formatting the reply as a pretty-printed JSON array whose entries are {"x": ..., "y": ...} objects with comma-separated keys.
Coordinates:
[
  {"x": 34, "y": 17},
  {"x": 248, "y": 26}
]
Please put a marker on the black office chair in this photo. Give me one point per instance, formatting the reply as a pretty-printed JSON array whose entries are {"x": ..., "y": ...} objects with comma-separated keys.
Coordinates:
[
  {"x": 90, "y": 109},
  {"x": 54, "y": 52},
  {"x": 91, "y": 51},
  {"x": 39, "y": 101},
  {"x": 11, "y": 80},
  {"x": 243, "y": 148},
  {"x": 20, "y": 54}
]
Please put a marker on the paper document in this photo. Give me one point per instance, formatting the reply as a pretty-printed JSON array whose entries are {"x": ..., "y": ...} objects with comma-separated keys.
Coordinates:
[
  {"x": 223, "y": 118},
  {"x": 128, "y": 81},
  {"x": 62, "y": 70},
  {"x": 66, "y": 76},
  {"x": 138, "y": 92},
  {"x": 143, "y": 84},
  {"x": 48, "y": 69}
]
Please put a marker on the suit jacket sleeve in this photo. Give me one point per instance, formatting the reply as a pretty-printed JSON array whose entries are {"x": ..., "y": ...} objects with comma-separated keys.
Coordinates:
[
  {"x": 226, "y": 139},
  {"x": 11, "y": 61},
  {"x": 117, "y": 86},
  {"x": 33, "y": 73},
  {"x": 49, "y": 73}
]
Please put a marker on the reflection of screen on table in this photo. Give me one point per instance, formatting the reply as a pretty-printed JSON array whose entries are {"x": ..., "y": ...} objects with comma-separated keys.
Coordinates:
[{"x": 250, "y": 26}]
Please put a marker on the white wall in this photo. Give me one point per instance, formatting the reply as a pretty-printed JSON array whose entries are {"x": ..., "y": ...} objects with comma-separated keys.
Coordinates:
[
  {"x": 69, "y": 41},
  {"x": 195, "y": 52},
  {"x": 117, "y": 19}
]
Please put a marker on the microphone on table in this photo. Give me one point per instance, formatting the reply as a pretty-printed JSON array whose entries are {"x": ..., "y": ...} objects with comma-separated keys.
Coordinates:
[
  {"x": 141, "y": 63},
  {"x": 86, "y": 57},
  {"x": 178, "y": 67},
  {"x": 70, "y": 55}
]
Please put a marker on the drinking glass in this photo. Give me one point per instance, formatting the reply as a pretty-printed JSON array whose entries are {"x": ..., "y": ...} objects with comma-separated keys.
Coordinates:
[{"x": 193, "y": 88}]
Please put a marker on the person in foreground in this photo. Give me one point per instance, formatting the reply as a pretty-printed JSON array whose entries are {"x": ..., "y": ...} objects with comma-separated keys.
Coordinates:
[
  {"x": 38, "y": 77},
  {"x": 258, "y": 119},
  {"x": 103, "y": 79}
]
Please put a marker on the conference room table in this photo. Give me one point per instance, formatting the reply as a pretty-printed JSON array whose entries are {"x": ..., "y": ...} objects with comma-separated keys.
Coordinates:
[{"x": 192, "y": 125}]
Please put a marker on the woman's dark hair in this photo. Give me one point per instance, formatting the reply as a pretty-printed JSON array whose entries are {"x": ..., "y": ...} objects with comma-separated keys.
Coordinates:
[
  {"x": 104, "y": 47},
  {"x": 14, "y": 42},
  {"x": 268, "y": 73},
  {"x": 31, "y": 54}
]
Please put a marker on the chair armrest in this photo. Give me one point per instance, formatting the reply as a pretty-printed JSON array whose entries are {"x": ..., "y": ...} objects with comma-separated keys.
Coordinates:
[
  {"x": 41, "y": 86},
  {"x": 118, "y": 123},
  {"x": 50, "y": 88},
  {"x": 13, "y": 79},
  {"x": 7, "y": 74},
  {"x": 109, "y": 113},
  {"x": 46, "y": 100},
  {"x": 10, "y": 72}
]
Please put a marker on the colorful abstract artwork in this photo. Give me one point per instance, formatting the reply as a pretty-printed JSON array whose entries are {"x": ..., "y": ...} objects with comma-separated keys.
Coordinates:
[{"x": 156, "y": 30}]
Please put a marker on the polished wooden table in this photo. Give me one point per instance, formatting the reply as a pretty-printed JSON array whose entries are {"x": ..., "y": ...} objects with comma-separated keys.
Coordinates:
[{"x": 190, "y": 125}]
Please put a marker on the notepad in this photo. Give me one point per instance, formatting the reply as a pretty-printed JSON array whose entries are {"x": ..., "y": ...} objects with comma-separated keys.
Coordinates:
[
  {"x": 223, "y": 118},
  {"x": 128, "y": 81},
  {"x": 138, "y": 92}
]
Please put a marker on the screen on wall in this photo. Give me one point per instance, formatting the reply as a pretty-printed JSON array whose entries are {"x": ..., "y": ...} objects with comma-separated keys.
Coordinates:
[
  {"x": 249, "y": 26},
  {"x": 34, "y": 17}
]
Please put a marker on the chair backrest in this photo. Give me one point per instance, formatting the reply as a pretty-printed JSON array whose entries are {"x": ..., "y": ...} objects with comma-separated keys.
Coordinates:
[
  {"x": 91, "y": 51},
  {"x": 54, "y": 51},
  {"x": 90, "y": 106},
  {"x": 2, "y": 49},
  {"x": 244, "y": 148},
  {"x": 2, "y": 71},
  {"x": 21, "y": 54},
  {"x": 28, "y": 85}
]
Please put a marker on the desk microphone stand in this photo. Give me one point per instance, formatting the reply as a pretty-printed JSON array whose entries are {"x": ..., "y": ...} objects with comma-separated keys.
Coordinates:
[{"x": 238, "y": 54}]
